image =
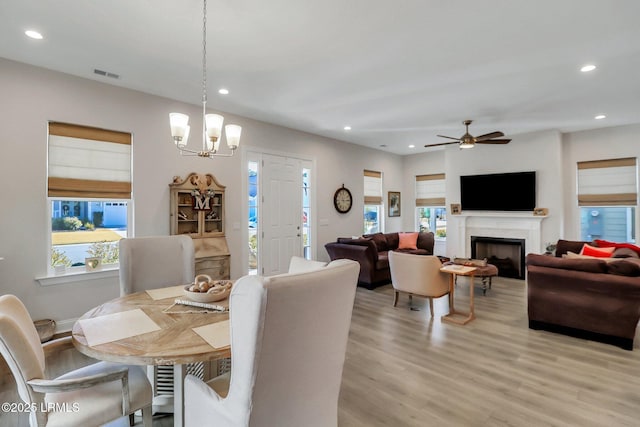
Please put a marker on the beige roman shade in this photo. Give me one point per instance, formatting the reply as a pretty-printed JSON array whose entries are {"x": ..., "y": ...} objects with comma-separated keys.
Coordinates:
[
  {"x": 372, "y": 187},
  {"x": 87, "y": 162},
  {"x": 608, "y": 182},
  {"x": 430, "y": 190}
]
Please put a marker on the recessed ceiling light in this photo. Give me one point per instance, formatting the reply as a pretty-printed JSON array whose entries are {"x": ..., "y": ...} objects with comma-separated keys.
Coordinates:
[
  {"x": 347, "y": 128},
  {"x": 412, "y": 146},
  {"x": 34, "y": 34},
  {"x": 223, "y": 91},
  {"x": 587, "y": 68},
  {"x": 383, "y": 145},
  {"x": 600, "y": 117}
]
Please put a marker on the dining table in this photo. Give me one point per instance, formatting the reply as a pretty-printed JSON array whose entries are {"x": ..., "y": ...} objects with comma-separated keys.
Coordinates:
[{"x": 150, "y": 328}]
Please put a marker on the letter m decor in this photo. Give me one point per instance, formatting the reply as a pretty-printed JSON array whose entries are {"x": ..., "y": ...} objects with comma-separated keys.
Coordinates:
[{"x": 201, "y": 203}]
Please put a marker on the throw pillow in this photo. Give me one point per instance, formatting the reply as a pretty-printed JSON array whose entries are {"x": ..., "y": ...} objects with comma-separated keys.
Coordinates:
[
  {"x": 408, "y": 240},
  {"x": 607, "y": 244},
  {"x": 625, "y": 253},
  {"x": 597, "y": 252},
  {"x": 573, "y": 255}
]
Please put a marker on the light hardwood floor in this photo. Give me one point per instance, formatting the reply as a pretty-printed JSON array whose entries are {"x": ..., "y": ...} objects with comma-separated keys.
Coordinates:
[{"x": 404, "y": 368}]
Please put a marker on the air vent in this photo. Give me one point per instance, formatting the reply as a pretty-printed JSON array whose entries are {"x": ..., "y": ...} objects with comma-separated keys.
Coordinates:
[{"x": 106, "y": 74}]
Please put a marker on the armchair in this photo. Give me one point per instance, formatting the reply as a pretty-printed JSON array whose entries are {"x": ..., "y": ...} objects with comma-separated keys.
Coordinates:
[
  {"x": 288, "y": 342},
  {"x": 418, "y": 275},
  {"x": 89, "y": 396}
]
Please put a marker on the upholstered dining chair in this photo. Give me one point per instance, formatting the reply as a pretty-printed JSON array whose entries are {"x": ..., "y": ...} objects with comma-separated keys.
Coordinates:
[
  {"x": 288, "y": 343},
  {"x": 157, "y": 262},
  {"x": 418, "y": 275},
  {"x": 89, "y": 396}
]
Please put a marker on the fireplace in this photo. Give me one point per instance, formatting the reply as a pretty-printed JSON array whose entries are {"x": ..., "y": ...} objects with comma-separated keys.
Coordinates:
[{"x": 507, "y": 254}]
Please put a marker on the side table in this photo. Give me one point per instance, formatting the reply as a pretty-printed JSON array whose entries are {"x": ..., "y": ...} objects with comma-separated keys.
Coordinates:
[{"x": 456, "y": 316}]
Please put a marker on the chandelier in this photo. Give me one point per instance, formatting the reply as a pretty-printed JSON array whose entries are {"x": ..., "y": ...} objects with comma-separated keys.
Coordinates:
[{"x": 211, "y": 123}]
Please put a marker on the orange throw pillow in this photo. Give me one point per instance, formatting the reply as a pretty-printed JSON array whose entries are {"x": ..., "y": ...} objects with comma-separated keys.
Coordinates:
[
  {"x": 408, "y": 240},
  {"x": 597, "y": 252}
]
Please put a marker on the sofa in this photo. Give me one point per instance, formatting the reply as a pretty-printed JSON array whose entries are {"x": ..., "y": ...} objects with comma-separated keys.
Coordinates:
[
  {"x": 370, "y": 250},
  {"x": 583, "y": 296}
]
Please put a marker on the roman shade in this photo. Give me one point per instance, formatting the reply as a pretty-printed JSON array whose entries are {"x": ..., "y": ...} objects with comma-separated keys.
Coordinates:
[
  {"x": 88, "y": 162},
  {"x": 372, "y": 187},
  {"x": 608, "y": 182},
  {"x": 430, "y": 190}
]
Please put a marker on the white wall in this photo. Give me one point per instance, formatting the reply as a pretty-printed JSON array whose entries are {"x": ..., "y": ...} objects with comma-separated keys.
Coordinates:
[
  {"x": 33, "y": 96},
  {"x": 599, "y": 144}
]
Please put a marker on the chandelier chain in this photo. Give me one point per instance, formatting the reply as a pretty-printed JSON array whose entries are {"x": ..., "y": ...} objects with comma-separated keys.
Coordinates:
[{"x": 204, "y": 51}]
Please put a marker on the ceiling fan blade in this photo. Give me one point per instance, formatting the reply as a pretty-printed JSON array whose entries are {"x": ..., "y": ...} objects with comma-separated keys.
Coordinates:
[
  {"x": 450, "y": 137},
  {"x": 494, "y": 141},
  {"x": 442, "y": 143},
  {"x": 489, "y": 136}
]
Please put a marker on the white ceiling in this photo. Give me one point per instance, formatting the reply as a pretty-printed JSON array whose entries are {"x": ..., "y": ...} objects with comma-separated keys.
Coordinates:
[{"x": 399, "y": 72}]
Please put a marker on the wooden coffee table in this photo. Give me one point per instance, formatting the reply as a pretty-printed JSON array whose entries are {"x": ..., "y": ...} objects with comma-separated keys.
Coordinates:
[{"x": 456, "y": 316}]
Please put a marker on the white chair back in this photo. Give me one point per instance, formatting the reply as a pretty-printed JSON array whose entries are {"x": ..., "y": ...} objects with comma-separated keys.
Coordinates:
[
  {"x": 418, "y": 274},
  {"x": 288, "y": 342},
  {"x": 155, "y": 262},
  {"x": 20, "y": 346}
]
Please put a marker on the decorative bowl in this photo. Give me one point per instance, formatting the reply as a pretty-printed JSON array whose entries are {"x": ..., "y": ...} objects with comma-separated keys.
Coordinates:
[{"x": 209, "y": 296}]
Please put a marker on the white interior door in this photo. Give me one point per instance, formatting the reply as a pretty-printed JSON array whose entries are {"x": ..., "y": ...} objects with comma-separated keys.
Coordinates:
[{"x": 281, "y": 213}]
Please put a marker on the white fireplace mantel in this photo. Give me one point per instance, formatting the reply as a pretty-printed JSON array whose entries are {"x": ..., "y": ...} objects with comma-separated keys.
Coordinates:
[{"x": 513, "y": 225}]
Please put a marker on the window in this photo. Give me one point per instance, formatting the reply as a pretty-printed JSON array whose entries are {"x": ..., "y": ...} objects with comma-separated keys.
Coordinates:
[
  {"x": 306, "y": 213},
  {"x": 253, "y": 217},
  {"x": 372, "y": 202},
  {"x": 431, "y": 214},
  {"x": 89, "y": 192},
  {"x": 607, "y": 196}
]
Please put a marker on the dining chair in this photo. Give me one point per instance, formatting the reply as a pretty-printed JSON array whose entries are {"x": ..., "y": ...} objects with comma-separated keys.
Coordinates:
[
  {"x": 288, "y": 342},
  {"x": 157, "y": 262},
  {"x": 93, "y": 395},
  {"x": 418, "y": 275}
]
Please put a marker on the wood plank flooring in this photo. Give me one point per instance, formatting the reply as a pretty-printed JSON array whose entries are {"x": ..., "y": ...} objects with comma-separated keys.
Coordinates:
[{"x": 404, "y": 368}]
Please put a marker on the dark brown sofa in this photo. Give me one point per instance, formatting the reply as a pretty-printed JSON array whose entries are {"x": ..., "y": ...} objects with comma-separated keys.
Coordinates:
[
  {"x": 371, "y": 252},
  {"x": 588, "y": 298}
]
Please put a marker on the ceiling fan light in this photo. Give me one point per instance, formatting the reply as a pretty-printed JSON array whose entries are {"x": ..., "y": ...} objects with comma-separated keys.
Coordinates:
[{"x": 466, "y": 145}]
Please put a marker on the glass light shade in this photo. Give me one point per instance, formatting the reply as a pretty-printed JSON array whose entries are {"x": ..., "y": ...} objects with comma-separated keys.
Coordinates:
[
  {"x": 179, "y": 123},
  {"x": 466, "y": 145},
  {"x": 183, "y": 142},
  {"x": 214, "y": 125},
  {"x": 216, "y": 145},
  {"x": 233, "y": 135}
]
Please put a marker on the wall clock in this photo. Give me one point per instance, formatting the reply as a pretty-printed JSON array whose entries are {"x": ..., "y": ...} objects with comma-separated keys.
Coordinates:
[{"x": 342, "y": 200}]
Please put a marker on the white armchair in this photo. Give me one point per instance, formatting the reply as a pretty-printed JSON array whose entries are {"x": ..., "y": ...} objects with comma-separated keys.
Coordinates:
[
  {"x": 288, "y": 342},
  {"x": 418, "y": 275},
  {"x": 89, "y": 396}
]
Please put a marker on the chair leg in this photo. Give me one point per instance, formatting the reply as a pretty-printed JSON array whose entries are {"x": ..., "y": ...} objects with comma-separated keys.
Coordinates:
[
  {"x": 431, "y": 306},
  {"x": 132, "y": 419},
  {"x": 147, "y": 416},
  {"x": 395, "y": 298}
]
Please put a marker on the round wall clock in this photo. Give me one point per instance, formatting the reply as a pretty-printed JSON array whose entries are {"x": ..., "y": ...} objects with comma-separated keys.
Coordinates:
[{"x": 342, "y": 200}]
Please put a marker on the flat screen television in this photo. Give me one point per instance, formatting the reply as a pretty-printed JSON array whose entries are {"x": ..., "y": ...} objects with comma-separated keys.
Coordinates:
[{"x": 515, "y": 191}]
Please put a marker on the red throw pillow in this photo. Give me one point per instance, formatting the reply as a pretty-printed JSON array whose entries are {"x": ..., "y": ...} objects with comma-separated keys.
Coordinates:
[
  {"x": 597, "y": 252},
  {"x": 408, "y": 240},
  {"x": 606, "y": 244}
]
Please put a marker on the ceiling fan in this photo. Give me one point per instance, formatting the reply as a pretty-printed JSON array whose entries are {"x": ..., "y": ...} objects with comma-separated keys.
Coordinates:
[{"x": 469, "y": 141}]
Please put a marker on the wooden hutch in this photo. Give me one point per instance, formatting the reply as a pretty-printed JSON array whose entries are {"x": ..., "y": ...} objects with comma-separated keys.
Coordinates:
[{"x": 197, "y": 210}]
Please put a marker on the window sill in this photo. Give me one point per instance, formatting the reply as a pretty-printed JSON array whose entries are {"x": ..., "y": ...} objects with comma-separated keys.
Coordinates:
[{"x": 78, "y": 275}]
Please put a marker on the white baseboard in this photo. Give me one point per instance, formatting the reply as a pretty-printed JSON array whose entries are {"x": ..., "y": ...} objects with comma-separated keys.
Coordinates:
[{"x": 64, "y": 325}]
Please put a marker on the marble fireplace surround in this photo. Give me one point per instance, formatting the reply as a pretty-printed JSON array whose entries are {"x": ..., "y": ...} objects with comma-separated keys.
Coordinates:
[{"x": 511, "y": 225}]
